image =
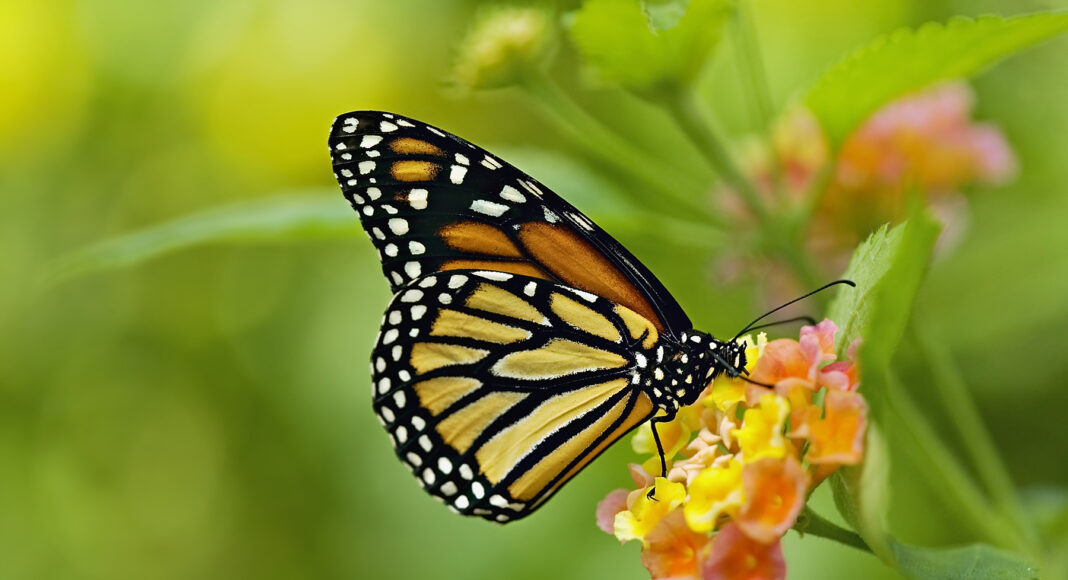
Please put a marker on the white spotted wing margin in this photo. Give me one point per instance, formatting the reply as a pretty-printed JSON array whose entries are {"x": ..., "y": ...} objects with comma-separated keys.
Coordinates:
[
  {"x": 431, "y": 201},
  {"x": 496, "y": 388}
]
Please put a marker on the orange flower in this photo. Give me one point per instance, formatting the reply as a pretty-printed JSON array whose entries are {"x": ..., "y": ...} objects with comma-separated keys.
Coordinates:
[
  {"x": 673, "y": 550},
  {"x": 789, "y": 361},
  {"x": 925, "y": 143},
  {"x": 838, "y": 437},
  {"x": 774, "y": 496},
  {"x": 736, "y": 556},
  {"x": 743, "y": 477}
]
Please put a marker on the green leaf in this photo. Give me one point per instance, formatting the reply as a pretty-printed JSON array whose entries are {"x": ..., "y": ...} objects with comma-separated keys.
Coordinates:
[
  {"x": 887, "y": 269},
  {"x": 974, "y": 561},
  {"x": 861, "y": 494},
  {"x": 909, "y": 60},
  {"x": 664, "y": 14},
  {"x": 648, "y": 49},
  {"x": 274, "y": 219}
]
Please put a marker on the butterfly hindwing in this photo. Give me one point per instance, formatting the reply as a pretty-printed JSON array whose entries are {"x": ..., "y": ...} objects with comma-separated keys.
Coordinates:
[
  {"x": 431, "y": 201},
  {"x": 497, "y": 388}
]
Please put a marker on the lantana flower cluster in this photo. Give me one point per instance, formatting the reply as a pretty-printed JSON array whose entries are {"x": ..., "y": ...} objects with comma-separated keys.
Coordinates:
[
  {"x": 924, "y": 144},
  {"x": 742, "y": 461}
]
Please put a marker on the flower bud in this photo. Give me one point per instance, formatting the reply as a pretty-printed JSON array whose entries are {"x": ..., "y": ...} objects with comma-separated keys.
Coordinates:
[{"x": 504, "y": 44}]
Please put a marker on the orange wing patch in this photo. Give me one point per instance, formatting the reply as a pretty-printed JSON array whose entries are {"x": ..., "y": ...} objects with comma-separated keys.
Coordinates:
[
  {"x": 480, "y": 239},
  {"x": 409, "y": 146},
  {"x": 414, "y": 170},
  {"x": 584, "y": 267}
]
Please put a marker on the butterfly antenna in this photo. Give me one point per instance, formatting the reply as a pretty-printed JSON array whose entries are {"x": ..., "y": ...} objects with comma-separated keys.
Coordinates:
[
  {"x": 798, "y": 299},
  {"x": 808, "y": 319}
]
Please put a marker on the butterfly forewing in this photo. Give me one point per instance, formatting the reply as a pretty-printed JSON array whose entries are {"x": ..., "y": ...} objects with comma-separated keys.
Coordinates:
[
  {"x": 497, "y": 388},
  {"x": 431, "y": 201}
]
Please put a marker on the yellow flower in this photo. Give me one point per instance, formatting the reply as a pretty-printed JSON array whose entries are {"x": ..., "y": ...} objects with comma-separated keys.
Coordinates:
[
  {"x": 761, "y": 434},
  {"x": 674, "y": 436},
  {"x": 645, "y": 512},
  {"x": 714, "y": 492}
]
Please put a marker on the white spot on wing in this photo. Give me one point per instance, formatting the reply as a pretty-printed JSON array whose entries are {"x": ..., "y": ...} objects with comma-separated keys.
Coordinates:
[
  {"x": 398, "y": 226},
  {"x": 366, "y": 167},
  {"x": 417, "y": 198},
  {"x": 512, "y": 194},
  {"x": 585, "y": 295},
  {"x": 491, "y": 275},
  {"x": 488, "y": 207},
  {"x": 369, "y": 141},
  {"x": 456, "y": 175},
  {"x": 386, "y": 126}
]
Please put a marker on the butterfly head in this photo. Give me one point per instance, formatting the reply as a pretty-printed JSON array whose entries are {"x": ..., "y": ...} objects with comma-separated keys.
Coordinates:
[{"x": 701, "y": 359}]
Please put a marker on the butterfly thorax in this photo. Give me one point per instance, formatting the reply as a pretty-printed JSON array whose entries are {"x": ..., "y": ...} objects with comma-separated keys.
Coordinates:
[{"x": 687, "y": 369}]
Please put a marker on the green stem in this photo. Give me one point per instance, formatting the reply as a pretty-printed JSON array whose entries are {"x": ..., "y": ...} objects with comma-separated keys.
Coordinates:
[
  {"x": 966, "y": 419},
  {"x": 945, "y": 473},
  {"x": 813, "y": 195},
  {"x": 673, "y": 193},
  {"x": 811, "y": 522},
  {"x": 682, "y": 107},
  {"x": 753, "y": 65}
]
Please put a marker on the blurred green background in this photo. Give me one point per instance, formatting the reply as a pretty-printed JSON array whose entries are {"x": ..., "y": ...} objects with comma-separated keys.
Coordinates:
[{"x": 206, "y": 415}]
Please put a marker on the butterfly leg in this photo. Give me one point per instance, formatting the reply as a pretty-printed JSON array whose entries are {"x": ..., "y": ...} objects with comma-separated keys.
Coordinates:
[{"x": 659, "y": 450}]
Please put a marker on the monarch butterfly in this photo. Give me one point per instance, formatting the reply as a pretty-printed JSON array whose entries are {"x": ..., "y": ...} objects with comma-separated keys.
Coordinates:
[{"x": 522, "y": 340}]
